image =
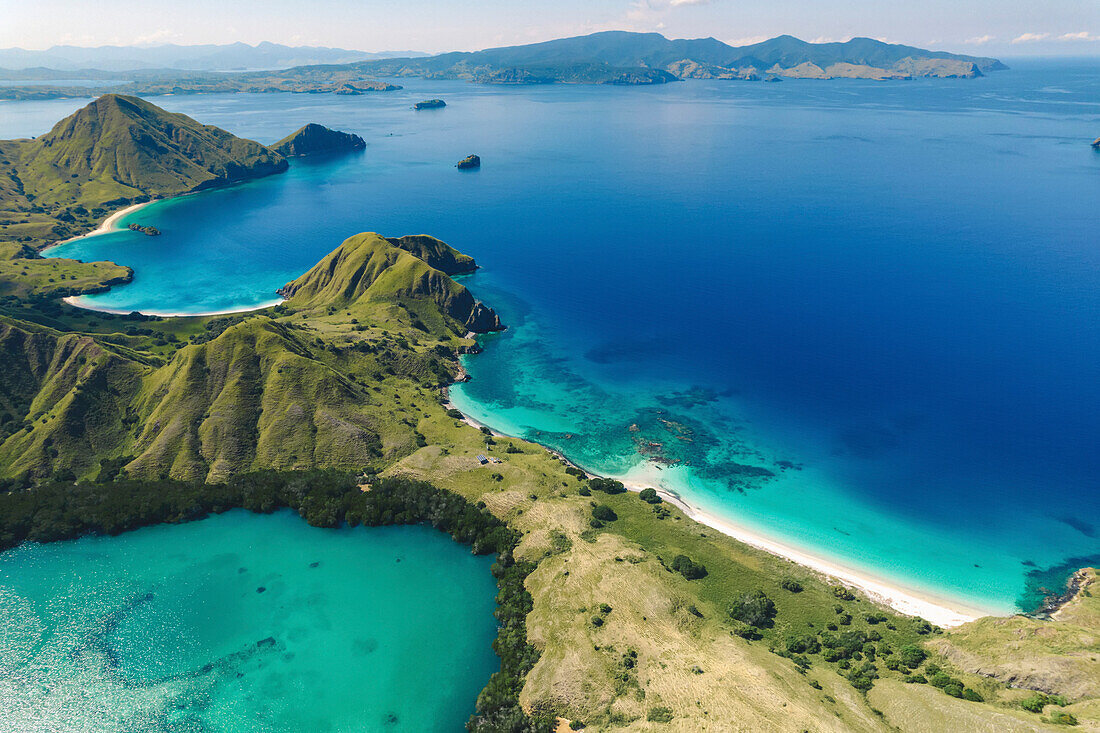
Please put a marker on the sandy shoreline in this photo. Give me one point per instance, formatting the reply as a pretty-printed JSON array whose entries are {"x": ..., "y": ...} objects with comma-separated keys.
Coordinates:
[
  {"x": 109, "y": 225},
  {"x": 74, "y": 301},
  {"x": 939, "y": 611}
]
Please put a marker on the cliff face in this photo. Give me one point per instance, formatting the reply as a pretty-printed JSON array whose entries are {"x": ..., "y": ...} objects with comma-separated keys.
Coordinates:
[
  {"x": 368, "y": 268},
  {"x": 315, "y": 139}
]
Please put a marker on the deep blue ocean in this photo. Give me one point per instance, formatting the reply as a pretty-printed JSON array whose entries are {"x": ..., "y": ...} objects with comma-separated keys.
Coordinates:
[{"x": 858, "y": 316}]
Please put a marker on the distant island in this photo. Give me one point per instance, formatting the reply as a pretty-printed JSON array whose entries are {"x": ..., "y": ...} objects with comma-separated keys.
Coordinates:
[
  {"x": 621, "y": 57},
  {"x": 430, "y": 104},
  {"x": 147, "y": 230},
  {"x": 315, "y": 139},
  {"x": 611, "y": 57},
  {"x": 470, "y": 161}
]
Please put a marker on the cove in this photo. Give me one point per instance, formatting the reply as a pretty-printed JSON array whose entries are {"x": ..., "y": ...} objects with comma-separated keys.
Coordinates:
[
  {"x": 245, "y": 622},
  {"x": 859, "y": 317}
]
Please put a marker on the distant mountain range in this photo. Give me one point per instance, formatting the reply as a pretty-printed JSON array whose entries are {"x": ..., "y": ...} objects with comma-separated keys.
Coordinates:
[
  {"x": 233, "y": 56},
  {"x": 613, "y": 57},
  {"x": 621, "y": 57}
]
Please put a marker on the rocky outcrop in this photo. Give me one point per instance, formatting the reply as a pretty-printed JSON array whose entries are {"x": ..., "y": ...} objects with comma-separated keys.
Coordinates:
[
  {"x": 314, "y": 139},
  {"x": 430, "y": 104},
  {"x": 470, "y": 161},
  {"x": 483, "y": 319}
]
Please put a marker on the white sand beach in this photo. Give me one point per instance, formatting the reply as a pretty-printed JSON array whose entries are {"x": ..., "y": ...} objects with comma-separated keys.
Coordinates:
[{"x": 911, "y": 602}]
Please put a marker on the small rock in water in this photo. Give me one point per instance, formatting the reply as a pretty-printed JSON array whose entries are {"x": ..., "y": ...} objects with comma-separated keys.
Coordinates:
[
  {"x": 390, "y": 719},
  {"x": 314, "y": 564},
  {"x": 242, "y": 570},
  {"x": 269, "y": 641},
  {"x": 261, "y": 589},
  {"x": 470, "y": 161}
]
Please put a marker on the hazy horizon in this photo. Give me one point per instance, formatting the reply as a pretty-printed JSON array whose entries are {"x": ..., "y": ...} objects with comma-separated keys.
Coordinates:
[{"x": 976, "y": 27}]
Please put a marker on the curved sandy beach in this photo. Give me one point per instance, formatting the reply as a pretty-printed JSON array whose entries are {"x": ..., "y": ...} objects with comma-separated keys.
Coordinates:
[{"x": 939, "y": 611}]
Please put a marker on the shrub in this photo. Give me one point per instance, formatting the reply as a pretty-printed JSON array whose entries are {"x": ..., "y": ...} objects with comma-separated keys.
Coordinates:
[
  {"x": 583, "y": 491},
  {"x": 597, "y": 621},
  {"x": 754, "y": 608},
  {"x": 659, "y": 714},
  {"x": 1061, "y": 717},
  {"x": 688, "y": 568},
  {"x": 791, "y": 584},
  {"x": 650, "y": 496},
  {"x": 453, "y": 413},
  {"x": 1040, "y": 700},
  {"x": 843, "y": 593},
  {"x": 917, "y": 679},
  {"x": 606, "y": 485},
  {"x": 912, "y": 655},
  {"x": 604, "y": 513},
  {"x": 972, "y": 695}
]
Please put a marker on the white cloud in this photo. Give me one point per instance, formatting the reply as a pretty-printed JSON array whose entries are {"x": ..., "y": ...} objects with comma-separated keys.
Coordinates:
[
  {"x": 1030, "y": 37},
  {"x": 747, "y": 40},
  {"x": 678, "y": 3},
  {"x": 156, "y": 38},
  {"x": 1082, "y": 36},
  {"x": 827, "y": 39},
  {"x": 979, "y": 40}
]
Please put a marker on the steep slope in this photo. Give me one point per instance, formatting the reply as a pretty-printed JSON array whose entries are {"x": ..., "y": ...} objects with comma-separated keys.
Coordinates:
[
  {"x": 114, "y": 151},
  {"x": 314, "y": 139},
  {"x": 437, "y": 254},
  {"x": 367, "y": 268},
  {"x": 258, "y": 395},
  {"x": 121, "y": 147},
  {"x": 63, "y": 399}
]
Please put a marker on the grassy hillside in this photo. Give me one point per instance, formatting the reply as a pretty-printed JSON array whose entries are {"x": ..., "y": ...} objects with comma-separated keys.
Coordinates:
[
  {"x": 24, "y": 275},
  {"x": 370, "y": 273},
  {"x": 114, "y": 151}
]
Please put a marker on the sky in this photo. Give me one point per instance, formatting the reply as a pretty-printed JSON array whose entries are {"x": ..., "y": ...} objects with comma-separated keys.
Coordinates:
[{"x": 980, "y": 27}]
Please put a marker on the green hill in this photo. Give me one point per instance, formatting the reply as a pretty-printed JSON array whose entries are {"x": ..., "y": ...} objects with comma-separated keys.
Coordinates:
[
  {"x": 293, "y": 388},
  {"x": 314, "y": 139},
  {"x": 115, "y": 151},
  {"x": 368, "y": 269}
]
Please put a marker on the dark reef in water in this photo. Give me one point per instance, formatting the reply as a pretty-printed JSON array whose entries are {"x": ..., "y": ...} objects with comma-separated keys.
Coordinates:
[{"x": 1047, "y": 589}]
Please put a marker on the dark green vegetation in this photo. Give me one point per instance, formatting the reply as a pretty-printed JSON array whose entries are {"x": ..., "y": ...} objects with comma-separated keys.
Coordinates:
[
  {"x": 57, "y": 511},
  {"x": 430, "y": 104},
  {"x": 314, "y": 139}
]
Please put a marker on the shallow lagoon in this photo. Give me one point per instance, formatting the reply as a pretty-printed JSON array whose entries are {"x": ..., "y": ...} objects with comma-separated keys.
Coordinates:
[
  {"x": 883, "y": 294},
  {"x": 245, "y": 622}
]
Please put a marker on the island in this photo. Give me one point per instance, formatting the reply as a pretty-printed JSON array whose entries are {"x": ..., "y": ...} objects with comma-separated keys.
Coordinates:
[
  {"x": 470, "y": 161},
  {"x": 314, "y": 139},
  {"x": 148, "y": 230},
  {"x": 609, "y": 57},
  {"x": 617, "y": 609},
  {"x": 430, "y": 104}
]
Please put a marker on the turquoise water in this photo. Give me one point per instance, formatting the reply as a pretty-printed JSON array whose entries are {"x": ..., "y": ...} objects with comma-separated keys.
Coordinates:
[
  {"x": 167, "y": 629},
  {"x": 861, "y": 317}
]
